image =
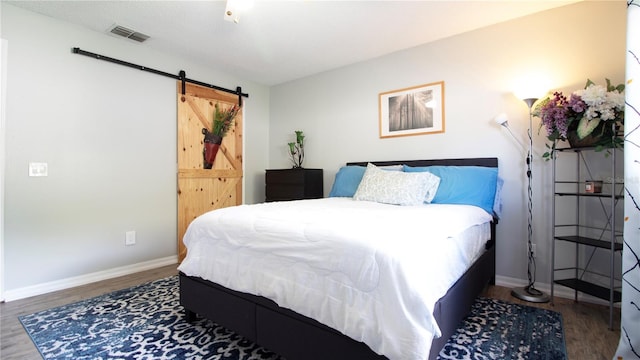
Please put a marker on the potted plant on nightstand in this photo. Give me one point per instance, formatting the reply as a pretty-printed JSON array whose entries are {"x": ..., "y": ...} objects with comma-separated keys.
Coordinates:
[{"x": 296, "y": 150}]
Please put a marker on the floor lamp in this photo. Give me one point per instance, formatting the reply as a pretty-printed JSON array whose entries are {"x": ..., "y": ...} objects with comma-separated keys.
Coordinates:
[{"x": 529, "y": 292}]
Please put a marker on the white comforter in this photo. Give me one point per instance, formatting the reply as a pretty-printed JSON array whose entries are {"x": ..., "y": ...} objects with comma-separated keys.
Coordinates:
[{"x": 370, "y": 270}]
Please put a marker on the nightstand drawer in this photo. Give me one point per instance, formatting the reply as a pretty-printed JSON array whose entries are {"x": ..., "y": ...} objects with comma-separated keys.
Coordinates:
[
  {"x": 288, "y": 176},
  {"x": 293, "y": 184},
  {"x": 279, "y": 192}
]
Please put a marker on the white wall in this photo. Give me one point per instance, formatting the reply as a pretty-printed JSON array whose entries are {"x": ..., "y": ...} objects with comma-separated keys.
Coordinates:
[
  {"x": 338, "y": 110},
  {"x": 108, "y": 134},
  {"x": 3, "y": 92}
]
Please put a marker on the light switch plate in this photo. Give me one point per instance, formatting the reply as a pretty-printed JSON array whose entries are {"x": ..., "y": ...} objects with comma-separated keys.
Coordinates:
[
  {"x": 38, "y": 169},
  {"x": 130, "y": 238}
]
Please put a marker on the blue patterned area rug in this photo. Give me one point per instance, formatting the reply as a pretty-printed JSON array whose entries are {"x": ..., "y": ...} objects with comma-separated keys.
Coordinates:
[
  {"x": 147, "y": 322},
  {"x": 496, "y": 329}
]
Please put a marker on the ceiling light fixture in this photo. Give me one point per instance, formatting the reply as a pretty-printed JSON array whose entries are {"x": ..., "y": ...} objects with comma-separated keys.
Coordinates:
[{"x": 236, "y": 7}]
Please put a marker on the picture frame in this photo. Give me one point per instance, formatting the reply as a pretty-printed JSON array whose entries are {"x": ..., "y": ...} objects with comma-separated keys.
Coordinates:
[{"x": 415, "y": 110}]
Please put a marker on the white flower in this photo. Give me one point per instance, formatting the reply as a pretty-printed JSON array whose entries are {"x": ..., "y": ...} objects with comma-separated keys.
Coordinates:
[
  {"x": 600, "y": 102},
  {"x": 591, "y": 113},
  {"x": 616, "y": 99},
  {"x": 607, "y": 114},
  {"x": 593, "y": 95}
]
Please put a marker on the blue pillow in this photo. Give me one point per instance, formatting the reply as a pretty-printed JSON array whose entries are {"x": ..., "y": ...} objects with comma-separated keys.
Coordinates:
[
  {"x": 497, "y": 204},
  {"x": 347, "y": 180},
  {"x": 467, "y": 185}
]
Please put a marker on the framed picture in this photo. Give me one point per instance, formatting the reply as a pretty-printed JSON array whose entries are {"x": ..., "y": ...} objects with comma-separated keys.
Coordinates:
[{"x": 412, "y": 111}]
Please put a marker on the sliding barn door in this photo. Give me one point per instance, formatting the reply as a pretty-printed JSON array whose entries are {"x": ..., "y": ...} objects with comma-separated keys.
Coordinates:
[{"x": 199, "y": 189}]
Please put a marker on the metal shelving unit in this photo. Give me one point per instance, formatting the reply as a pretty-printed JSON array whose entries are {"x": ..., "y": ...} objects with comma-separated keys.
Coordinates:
[{"x": 591, "y": 223}]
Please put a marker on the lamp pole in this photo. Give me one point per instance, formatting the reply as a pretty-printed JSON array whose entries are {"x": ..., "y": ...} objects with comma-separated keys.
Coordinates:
[{"x": 529, "y": 292}]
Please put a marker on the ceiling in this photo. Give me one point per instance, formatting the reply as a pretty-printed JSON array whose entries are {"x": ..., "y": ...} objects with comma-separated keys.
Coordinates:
[{"x": 278, "y": 41}]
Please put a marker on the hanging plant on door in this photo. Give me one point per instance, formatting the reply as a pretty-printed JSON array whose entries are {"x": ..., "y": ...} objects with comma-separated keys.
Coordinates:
[{"x": 222, "y": 121}]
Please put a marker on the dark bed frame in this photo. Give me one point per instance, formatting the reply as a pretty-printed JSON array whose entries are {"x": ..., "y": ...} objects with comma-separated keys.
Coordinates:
[{"x": 295, "y": 336}]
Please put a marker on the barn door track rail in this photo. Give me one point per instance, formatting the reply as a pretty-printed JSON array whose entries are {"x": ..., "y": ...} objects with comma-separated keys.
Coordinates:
[{"x": 182, "y": 76}]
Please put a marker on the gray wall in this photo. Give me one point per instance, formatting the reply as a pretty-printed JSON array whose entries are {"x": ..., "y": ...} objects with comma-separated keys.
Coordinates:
[
  {"x": 108, "y": 134},
  {"x": 338, "y": 110}
]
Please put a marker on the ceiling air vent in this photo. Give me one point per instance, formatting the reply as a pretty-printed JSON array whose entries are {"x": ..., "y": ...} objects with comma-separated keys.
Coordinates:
[{"x": 128, "y": 33}]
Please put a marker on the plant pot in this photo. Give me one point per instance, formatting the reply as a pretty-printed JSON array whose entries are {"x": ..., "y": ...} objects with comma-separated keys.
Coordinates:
[
  {"x": 587, "y": 141},
  {"x": 211, "y": 146},
  {"x": 601, "y": 135}
]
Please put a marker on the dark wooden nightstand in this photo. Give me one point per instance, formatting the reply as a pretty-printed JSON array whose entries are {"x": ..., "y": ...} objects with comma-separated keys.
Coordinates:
[{"x": 293, "y": 184}]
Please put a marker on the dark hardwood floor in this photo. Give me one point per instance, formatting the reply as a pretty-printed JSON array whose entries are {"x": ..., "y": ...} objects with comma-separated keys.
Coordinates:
[{"x": 585, "y": 325}]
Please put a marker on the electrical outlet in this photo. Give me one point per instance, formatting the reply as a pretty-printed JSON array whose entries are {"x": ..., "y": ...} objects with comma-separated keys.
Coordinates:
[
  {"x": 130, "y": 238},
  {"x": 38, "y": 169}
]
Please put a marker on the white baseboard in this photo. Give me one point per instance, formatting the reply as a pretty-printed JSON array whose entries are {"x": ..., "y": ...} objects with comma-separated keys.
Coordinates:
[
  {"x": 33, "y": 290},
  {"x": 25, "y": 292},
  {"x": 558, "y": 291}
]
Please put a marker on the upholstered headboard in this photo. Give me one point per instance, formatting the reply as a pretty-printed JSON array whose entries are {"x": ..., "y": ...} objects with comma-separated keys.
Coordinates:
[{"x": 486, "y": 162}]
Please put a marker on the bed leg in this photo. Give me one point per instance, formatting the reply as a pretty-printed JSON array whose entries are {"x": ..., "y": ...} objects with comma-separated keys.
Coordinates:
[{"x": 190, "y": 316}]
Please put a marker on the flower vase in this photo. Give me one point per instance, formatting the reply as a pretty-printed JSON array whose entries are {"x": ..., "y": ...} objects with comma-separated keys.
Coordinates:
[
  {"x": 211, "y": 146},
  {"x": 601, "y": 135},
  {"x": 587, "y": 141}
]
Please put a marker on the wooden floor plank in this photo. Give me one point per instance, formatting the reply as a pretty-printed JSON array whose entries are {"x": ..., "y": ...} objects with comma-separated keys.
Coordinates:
[{"x": 585, "y": 325}]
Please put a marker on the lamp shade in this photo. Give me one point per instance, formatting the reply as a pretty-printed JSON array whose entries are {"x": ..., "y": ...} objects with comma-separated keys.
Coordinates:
[
  {"x": 501, "y": 119},
  {"x": 532, "y": 86}
]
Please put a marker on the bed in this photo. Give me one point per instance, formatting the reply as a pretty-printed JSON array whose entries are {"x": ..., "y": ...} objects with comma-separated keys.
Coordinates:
[{"x": 237, "y": 289}]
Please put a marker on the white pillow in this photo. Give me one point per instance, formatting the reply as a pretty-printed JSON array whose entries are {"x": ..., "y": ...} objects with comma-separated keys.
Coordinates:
[{"x": 395, "y": 187}]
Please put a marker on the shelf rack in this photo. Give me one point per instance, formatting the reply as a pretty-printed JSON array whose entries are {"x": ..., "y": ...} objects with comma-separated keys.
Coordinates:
[{"x": 587, "y": 238}]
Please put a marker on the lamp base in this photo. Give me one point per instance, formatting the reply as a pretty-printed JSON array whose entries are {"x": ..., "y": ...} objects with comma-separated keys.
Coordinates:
[{"x": 530, "y": 294}]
